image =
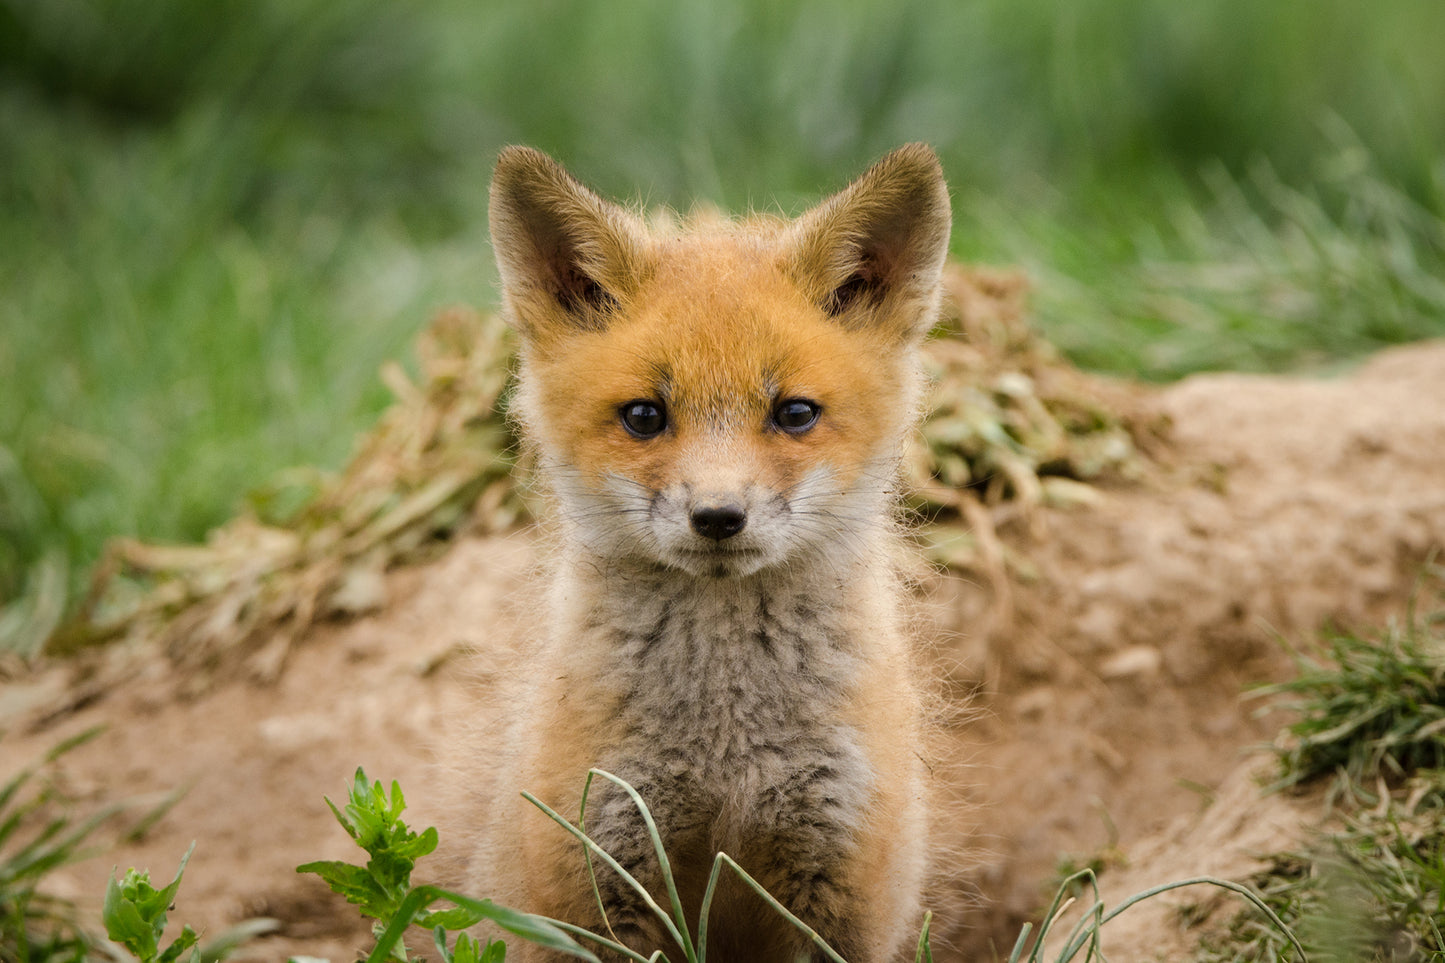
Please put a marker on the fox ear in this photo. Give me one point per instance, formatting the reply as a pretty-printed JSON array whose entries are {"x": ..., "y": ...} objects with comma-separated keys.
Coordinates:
[
  {"x": 567, "y": 258},
  {"x": 872, "y": 255}
]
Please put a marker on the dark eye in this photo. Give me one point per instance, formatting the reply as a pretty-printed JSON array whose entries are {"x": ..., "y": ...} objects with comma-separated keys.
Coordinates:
[
  {"x": 643, "y": 418},
  {"x": 796, "y": 414}
]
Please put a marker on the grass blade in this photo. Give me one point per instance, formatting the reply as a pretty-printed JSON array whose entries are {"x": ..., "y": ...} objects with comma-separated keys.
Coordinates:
[
  {"x": 607, "y": 858},
  {"x": 680, "y": 931}
]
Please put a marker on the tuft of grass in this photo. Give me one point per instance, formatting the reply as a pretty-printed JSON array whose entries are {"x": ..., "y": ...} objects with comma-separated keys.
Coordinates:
[
  {"x": 1371, "y": 728},
  {"x": 1372, "y": 891},
  {"x": 1084, "y": 941},
  {"x": 1371, "y": 711},
  {"x": 37, "y": 836}
]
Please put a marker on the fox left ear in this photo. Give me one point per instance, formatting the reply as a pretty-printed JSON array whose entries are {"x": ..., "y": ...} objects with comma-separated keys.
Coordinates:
[
  {"x": 872, "y": 255},
  {"x": 567, "y": 258}
]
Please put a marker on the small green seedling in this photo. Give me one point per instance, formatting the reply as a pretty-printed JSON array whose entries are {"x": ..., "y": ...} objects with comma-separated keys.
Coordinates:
[
  {"x": 135, "y": 916},
  {"x": 468, "y": 950},
  {"x": 374, "y": 820},
  {"x": 382, "y": 888}
]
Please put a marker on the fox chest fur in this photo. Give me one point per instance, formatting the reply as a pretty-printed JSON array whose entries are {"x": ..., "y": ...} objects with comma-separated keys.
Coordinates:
[
  {"x": 772, "y": 718},
  {"x": 738, "y": 695},
  {"x": 717, "y": 415}
]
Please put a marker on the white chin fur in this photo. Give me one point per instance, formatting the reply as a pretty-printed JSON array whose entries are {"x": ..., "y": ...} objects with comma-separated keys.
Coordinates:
[{"x": 625, "y": 520}]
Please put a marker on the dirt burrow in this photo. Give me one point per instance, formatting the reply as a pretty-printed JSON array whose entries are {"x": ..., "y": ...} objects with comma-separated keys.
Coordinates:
[{"x": 1105, "y": 681}]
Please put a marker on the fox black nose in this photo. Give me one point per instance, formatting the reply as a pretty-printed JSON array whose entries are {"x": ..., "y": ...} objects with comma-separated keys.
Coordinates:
[{"x": 718, "y": 522}]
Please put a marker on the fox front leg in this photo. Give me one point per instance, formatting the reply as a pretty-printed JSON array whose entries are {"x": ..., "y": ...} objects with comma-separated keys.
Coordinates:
[{"x": 616, "y": 824}]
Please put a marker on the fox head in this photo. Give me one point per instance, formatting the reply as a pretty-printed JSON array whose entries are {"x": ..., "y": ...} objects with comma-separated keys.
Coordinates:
[{"x": 730, "y": 396}]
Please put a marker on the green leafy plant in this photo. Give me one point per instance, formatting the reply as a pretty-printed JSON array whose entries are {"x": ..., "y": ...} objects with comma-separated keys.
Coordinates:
[
  {"x": 38, "y": 835},
  {"x": 383, "y": 889},
  {"x": 135, "y": 916}
]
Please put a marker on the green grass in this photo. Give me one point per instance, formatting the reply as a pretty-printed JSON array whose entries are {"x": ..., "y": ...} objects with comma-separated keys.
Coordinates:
[
  {"x": 1259, "y": 276},
  {"x": 135, "y": 911},
  {"x": 1370, "y": 728},
  {"x": 1371, "y": 711},
  {"x": 40, "y": 833},
  {"x": 1369, "y": 893},
  {"x": 217, "y": 219},
  {"x": 383, "y": 890}
]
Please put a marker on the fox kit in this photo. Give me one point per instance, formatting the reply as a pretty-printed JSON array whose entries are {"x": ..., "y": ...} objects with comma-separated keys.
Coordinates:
[{"x": 717, "y": 414}]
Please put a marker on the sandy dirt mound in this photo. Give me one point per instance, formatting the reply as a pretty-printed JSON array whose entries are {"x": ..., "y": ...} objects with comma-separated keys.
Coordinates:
[
  {"x": 1105, "y": 671},
  {"x": 1113, "y": 691}
]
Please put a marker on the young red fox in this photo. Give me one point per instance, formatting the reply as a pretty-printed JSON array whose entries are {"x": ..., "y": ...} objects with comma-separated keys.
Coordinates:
[{"x": 717, "y": 415}]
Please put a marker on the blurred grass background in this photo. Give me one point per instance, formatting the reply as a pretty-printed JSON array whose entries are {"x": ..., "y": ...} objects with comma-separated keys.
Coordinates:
[{"x": 217, "y": 217}]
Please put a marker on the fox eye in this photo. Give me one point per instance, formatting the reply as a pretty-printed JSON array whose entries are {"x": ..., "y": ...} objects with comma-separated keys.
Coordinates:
[
  {"x": 796, "y": 415},
  {"x": 643, "y": 419}
]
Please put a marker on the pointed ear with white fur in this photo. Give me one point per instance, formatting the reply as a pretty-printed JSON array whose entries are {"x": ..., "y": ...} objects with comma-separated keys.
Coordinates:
[
  {"x": 568, "y": 259},
  {"x": 872, "y": 255}
]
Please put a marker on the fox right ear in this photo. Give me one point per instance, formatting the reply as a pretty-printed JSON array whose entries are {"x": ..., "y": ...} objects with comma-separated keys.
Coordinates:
[
  {"x": 567, "y": 258},
  {"x": 872, "y": 255}
]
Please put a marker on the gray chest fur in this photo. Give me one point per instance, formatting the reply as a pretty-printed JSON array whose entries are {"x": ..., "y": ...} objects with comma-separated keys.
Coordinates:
[{"x": 730, "y": 693}]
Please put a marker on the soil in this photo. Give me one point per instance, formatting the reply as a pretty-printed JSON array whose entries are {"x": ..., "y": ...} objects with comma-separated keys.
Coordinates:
[{"x": 1102, "y": 678}]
